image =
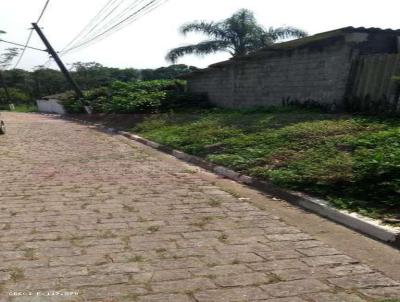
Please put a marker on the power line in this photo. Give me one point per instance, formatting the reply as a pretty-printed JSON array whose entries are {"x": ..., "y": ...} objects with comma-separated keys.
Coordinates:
[
  {"x": 43, "y": 10},
  {"x": 24, "y": 49},
  {"x": 97, "y": 29},
  {"x": 89, "y": 24},
  {"x": 150, "y": 6},
  {"x": 112, "y": 28},
  {"x": 18, "y": 44},
  {"x": 110, "y": 25},
  {"x": 30, "y": 35},
  {"x": 103, "y": 19}
]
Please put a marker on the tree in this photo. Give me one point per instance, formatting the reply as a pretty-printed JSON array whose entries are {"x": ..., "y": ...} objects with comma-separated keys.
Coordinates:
[
  {"x": 164, "y": 73},
  {"x": 5, "y": 61},
  {"x": 26, "y": 86},
  {"x": 92, "y": 74},
  {"x": 7, "y": 57},
  {"x": 238, "y": 35}
]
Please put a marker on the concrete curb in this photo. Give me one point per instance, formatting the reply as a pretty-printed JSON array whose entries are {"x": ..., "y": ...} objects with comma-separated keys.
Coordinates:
[{"x": 321, "y": 207}]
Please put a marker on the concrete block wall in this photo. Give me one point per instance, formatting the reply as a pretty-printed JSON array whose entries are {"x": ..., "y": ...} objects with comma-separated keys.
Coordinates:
[
  {"x": 50, "y": 106},
  {"x": 317, "y": 74}
]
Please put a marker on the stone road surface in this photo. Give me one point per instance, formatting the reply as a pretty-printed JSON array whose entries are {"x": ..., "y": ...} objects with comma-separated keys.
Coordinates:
[{"x": 90, "y": 215}]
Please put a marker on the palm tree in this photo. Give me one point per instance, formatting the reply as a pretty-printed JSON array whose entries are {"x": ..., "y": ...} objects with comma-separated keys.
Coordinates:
[{"x": 238, "y": 35}]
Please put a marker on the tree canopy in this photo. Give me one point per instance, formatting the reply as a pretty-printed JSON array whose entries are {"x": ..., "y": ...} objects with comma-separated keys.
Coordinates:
[
  {"x": 238, "y": 35},
  {"x": 30, "y": 85}
]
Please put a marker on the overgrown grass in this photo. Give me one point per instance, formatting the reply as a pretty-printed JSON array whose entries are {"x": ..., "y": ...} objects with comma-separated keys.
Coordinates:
[
  {"x": 20, "y": 107},
  {"x": 26, "y": 108},
  {"x": 353, "y": 161}
]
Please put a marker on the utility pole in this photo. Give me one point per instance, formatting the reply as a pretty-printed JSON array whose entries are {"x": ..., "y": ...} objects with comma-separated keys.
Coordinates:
[{"x": 57, "y": 59}]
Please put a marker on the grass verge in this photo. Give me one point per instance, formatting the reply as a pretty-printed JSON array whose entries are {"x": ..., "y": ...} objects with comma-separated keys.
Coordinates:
[
  {"x": 20, "y": 108},
  {"x": 352, "y": 161},
  {"x": 25, "y": 108}
]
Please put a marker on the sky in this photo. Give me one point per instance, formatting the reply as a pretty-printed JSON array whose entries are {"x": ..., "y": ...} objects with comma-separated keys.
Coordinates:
[{"x": 145, "y": 42}]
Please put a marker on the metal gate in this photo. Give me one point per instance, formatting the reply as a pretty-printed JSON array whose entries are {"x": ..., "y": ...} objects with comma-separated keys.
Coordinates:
[{"x": 374, "y": 79}]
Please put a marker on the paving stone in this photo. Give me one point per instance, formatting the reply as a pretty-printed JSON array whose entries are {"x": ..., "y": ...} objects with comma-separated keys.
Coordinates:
[
  {"x": 363, "y": 281},
  {"x": 231, "y": 295},
  {"x": 277, "y": 265},
  {"x": 4, "y": 276},
  {"x": 169, "y": 275},
  {"x": 116, "y": 268},
  {"x": 222, "y": 259},
  {"x": 165, "y": 298},
  {"x": 182, "y": 285},
  {"x": 328, "y": 260},
  {"x": 23, "y": 264},
  {"x": 79, "y": 260},
  {"x": 334, "y": 297},
  {"x": 221, "y": 270},
  {"x": 94, "y": 280},
  {"x": 243, "y": 280},
  {"x": 177, "y": 263},
  {"x": 56, "y": 272},
  {"x": 296, "y": 274},
  {"x": 289, "y": 237},
  {"x": 291, "y": 299},
  {"x": 382, "y": 292},
  {"x": 278, "y": 255},
  {"x": 125, "y": 291},
  {"x": 351, "y": 269},
  {"x": 294, "y": 288},
  {"x": 319, "y": 251}
]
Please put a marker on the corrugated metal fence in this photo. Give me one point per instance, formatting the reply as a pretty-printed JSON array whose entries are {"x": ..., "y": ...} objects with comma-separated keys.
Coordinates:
[{"x": 374, "y": 80}]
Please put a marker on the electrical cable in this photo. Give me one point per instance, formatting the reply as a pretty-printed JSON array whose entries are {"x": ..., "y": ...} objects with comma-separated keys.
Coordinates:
[
  {"x": 96, "y": 29},
  {"x": 89, "y": 24},
  {"x": 43, "y": 11},
  {"x": 128, "y": 20},
  {"x": 118, "y": 24},
  {"x": 18, "y": 44},
  {"x": 30, "y": 35}
]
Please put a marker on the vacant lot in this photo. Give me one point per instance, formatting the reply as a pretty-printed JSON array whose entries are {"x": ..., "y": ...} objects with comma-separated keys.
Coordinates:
[{"x": 353, "y": 161}]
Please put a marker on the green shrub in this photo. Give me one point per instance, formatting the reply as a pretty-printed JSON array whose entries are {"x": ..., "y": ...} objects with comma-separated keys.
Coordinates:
[
  {"x": 138, "y": 97},
  {"x": 70, "y": 103},
  {"x": 17, "y": 96},
  {"x": 132, "y": 102}
]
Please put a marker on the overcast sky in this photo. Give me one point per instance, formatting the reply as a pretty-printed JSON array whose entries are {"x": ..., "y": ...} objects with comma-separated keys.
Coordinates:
[{"x": 145, "y": 42}]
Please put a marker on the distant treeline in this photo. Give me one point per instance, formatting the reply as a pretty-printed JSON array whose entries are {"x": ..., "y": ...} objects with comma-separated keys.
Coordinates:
[{"x": 26, "y": 86}]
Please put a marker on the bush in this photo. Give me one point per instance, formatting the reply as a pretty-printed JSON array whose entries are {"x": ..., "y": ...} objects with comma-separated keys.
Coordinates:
[
  {"x": 70, "y": 102},
  {"x": 17, "y": 96},
  {"x": 138, "y": 97}
]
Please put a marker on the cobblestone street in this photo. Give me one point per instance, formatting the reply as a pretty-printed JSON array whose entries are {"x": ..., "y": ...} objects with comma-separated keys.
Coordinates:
[{"x": 98, "y": 218}]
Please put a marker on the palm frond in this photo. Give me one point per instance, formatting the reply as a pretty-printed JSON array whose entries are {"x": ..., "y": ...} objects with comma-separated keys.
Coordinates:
[
  {"x": 238, "y": 34},
  {"x": 286, "y": 32},
  {"x": 212, "y": 29},
  {"x": 202, "y": 48}
]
